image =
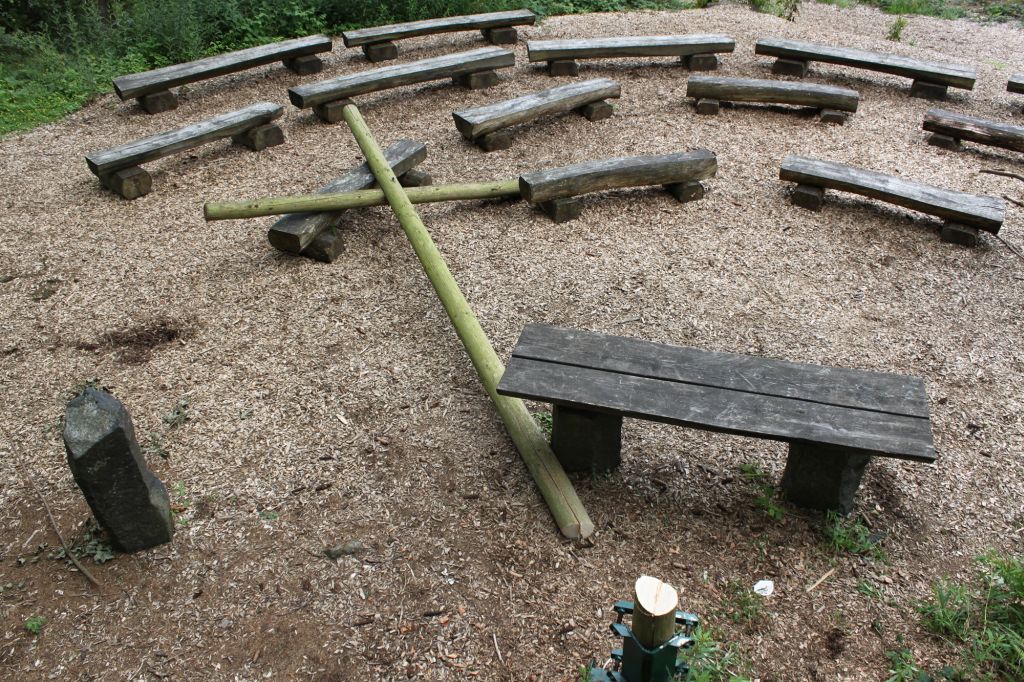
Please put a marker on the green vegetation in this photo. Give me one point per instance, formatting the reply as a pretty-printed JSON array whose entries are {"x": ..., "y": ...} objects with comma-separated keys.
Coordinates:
[
  {"x": 989, "y": 10},
  {"x": 544, "y": 421},
  {"x": 766, "y": 492},
  {"x": 90, "y": 546},
  {"x": 34, "y": 625},
  {"x": 179, "y": 414},
  {"x": 711, "y": 661},
  {"x": 896, "y": 29},
  {"x": 851, "y": 535},
  {"x": 787, "y": 9}
]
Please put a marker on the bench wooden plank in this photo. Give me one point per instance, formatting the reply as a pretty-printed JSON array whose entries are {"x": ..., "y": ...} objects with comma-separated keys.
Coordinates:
[
  {"x": 630, "y": 46},
  {"x": 717, "y": 409},
  {"x": 382, "y": 78},
  {"x": 772, "y": 91},
  {"x": 480, "y": 121},
  {"x": 469, "y": 22},
  {"x": 960, "y": 127},
  {"x": 187, "y": 137},
  {"x": 953, "y": 75},
  {"x": 296, "y": 231},
  {"x": 1016, "y": 83},
  {"x": 983, "y": 212},
  {"x": 630, "y": 171},
  {"x": 858, "y": 389},
  {"x": 157, "y": 80}
]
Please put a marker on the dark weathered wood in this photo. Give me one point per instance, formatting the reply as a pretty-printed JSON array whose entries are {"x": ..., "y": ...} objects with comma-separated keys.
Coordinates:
[
  {"x": 953, "y": 75},
  {"x": 295, "y": 231},
  {"x": 180, "y": 139},
  {"x": 632, "y": 171},
  {"x": 422, "y": 71},
  {"x": 983, "y": 212},
  {"x": 772, "y": 91},
  {"x": 139, "y": 84},
  {"x": 469, "y": 22},
  {"x": 630, "y": 46},
  {"x": 1016, "y": 83},
  {"x": 479, "y": 121},
  {"x": 960, "y": 127}
]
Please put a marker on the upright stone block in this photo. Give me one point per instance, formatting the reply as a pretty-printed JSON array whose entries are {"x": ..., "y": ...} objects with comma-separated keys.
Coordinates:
[
  {"x": 495, "y": 141},
  {"x": 260, "y": 137},
  {"x": 327, "y": 246},
  {"x": 130, "y": 183},
  {"x": 833, "y": 116},
  {"x": 380, "y": 52},
  {"x": 563, "y": 67},
  {"x": 500, "y": 36},
  {"x": 596, "y": 111},
  {"x": 955, "y": 233},
  {"x": 926, "y": 90},
  {"x": 415, "y": 178},
  {"x": 686, "y": 191},
  {"x": 823, "y": 477},
  {"x": 700, "y": 62},
  {"x": 944, "y": 142},
  {"x": 707, "y": 106},
  {"x": 476, "y": 81},
  {"x": 810, "y": 197},
  {"x": 790, "y": 67},
  {"x": 126, "y": 498},
  {"x": 562, "y": 210},
  {"x": 305, "y": 65},
  {"x": 330, "y": 112},
  {"x": 584, "y": 440},
  {"x": 158, "y": 102}
]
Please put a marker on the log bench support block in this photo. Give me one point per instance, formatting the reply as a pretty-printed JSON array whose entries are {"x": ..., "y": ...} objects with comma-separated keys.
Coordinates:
[
  {"x": 596, "y": 111},
  {"x": 327, "y": 246},
  {"x": 495, "y": 141},
  {"x": 926, "y": 90},
  {"x": 956, "y": 233},
  {"x": 944, "y": 142},
  {"x": 415, "y": 178},
  {"x": 833, "y": 116},
  {"x": 477, "y": 80},
  {"x": 584, "y": 440},
  {"x": 126, "y": 498},
  {"x": 130, "y": 183},
  {"x": 260, "y": 137},
  {"x": 700, "y": 62},
  {"x": 563, "y": 67},
  {"x": 790, "y": 67},
  {"x": 823, "y": 477},
  {"x": 380, "y": 52},
  {"x": 708, "y": 106},
  {"x": 686, "y": 191},
  {"x": 500, "y": 36},
  {"x": 810, "y": 197},
  {"x": 158, "y": 102},
  {"x": 563, "y": 210},
  {"x": 304, "y": 65},
  {"x": 330, "y": 112}
]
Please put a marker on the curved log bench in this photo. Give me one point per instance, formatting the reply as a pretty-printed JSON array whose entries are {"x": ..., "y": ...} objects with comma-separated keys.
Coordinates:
[
  {"x": 832, "y": 102},
  {"x": 948, "y": 129},
  {"x": 118, "y": 168},
  {"x": 964, "y": 213},
  {"x": 1016, "y": 83},
  {"x": 834, "y": 419},
  {"x": 483, "y": 125},
  {"x": 152, "y": 88},
  {"x": 473, "y": 69},
  {"x": 696, "y": 52},
  {"x": 931, "y": 79},
  {"x": 556, "y": 190},
  {"x": 377, "y": 42},
  {"x": 312, "y": 234}
]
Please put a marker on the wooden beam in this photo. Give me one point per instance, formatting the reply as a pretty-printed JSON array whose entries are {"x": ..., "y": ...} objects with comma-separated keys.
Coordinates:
[
  {"x": 469, "y": 22},
  {"x": 772, "y": 91},
  {"x": 961, "y": 127},
  {"x": 630, "y": 46}
]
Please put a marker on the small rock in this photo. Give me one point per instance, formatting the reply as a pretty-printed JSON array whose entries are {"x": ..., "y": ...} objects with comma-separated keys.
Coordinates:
[{"x": 350, "y": 548}]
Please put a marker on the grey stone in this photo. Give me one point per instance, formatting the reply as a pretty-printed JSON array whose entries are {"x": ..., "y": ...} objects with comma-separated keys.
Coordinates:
[
  {"x": 157, "y": 102},
  {"x": 415, "y": 178},
  {"x": 596, "y": 111},
  {"x": 926, "y": 90},
  {"x": 500, "y": 36},
  {"x": 810, "y": 197},
  {"x": 130, "y": 183},
  {"x": 790, "y": 67},
  {"x": 494, "y": 141},
  {"x": 380, "y": 52},
  {"x": 944, "y": 142},
  {"x": 823, "y": 477},
  {"x": 563, "y": 67},
  {"x": 701, "y": 62},
  {"x": 327, "y": 246},
  {"x": 260, "y": 137},
  {"x": 708, "y": 106},
  {"x": 584, "y": 440},
  {"x": 955, "y": 233},
  {"x": 305, "y": 65},
  {"x": 126, "y": 498},
  {"x": 330, "y": 112},
  {"x": 833, "y": 116},
  {"x": 477, "y": 81},
  {"x": 686, "y": 191},
  {"x": 563, "y": 210}
]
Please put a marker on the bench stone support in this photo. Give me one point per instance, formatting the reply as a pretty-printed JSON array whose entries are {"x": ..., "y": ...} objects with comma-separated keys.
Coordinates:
[
  {"x": 477, "y": 80},
  {"x": 330, "y": 112},
  {"x": 955, "y": 233},
  {"x": 380, "y": 52},
  {"x": 810, "y": 197},
  {"x": 926, "y": 90},
  {"x": 327, "y": 246},
  {"x": 130, "y": 183},
  {"x": 596, "y": 111},
  {"x": 563, "y": 67},
  {"x": 686, "y": 191},
  {"x": 158, "y": 102},
  {"x": 584, "y": 440},
  {"x": 833, "y": 116},
  {"x": 944, "y": 142},
  {"x": 563, "y": 210},
  {"x": 260, "y": 137},
  {"x": 823, "y": 477},
  {"x": 495, "y": 141},
  {"x": 500, "y": 36},
  {"x": 700, "y": 62},
  {"x": 790, "y": 67},
  {"x": 708, "y": 107},
  {"x": 415, "y": 178},
  {"x": 304, "y": 65}
]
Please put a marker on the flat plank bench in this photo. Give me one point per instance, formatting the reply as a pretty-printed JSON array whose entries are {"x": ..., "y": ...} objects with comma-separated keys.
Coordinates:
[
  {"x": 931, "y": 79},
  {"x": 948, "y": 129},
  {"x": 497, "y": 29},
  {"x": 833, "y": 103},
  {"x": 965, "y": 213},
  {"x": 556, "y": 190},
  {"x": 485, "y": 125},
  {"x": 118, "y": 168},
  {"x": 152, "y": 88},
  {"x": 1016, "y": 83},
  {"x": 834, "y": 419},
  {"x": 312, "y": 234},
  {"x": 696, "y": 52},
  {"x": 473, "y": 69}
]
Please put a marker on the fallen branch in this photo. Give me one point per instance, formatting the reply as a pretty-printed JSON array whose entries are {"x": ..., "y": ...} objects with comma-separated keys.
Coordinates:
[
  {"x": 1014, "y": 201},
  {"x": 821, "y": 580},
  {"x": 1011, "y": 247},
  {"x": 1004, "y": 173}
]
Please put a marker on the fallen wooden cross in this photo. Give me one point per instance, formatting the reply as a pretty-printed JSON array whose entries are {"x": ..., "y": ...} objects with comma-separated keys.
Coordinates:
[
  {"x": 152, "y": 88},
  {"x": 557, "y": 190},
  {"x": 473, "y": 69},
  {"x": 833, "y": 102},
  {"x": 118, "y": 168},
  {"x": 485, "y": 125},
  {"x": 948, "y": 129},
  {"x": 696, "y": 52},
  {"x": 496, "y": 27},
  {"x": 965, "y": 213},
  {"x": 834, "y": 419},
  {"x": 1016, "y": 83},
  {"x": 931, "y": 79}
]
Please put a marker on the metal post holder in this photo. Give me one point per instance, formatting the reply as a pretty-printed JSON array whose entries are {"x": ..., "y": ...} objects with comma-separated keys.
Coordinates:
[{"x": 635, "y": 663}]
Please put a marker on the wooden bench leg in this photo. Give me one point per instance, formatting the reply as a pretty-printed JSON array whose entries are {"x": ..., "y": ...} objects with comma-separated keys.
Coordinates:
[
  {"x": 494, "y": 141},
  {"x": 823, "y": 477},
  {"x": 790, "y": 67},
  {"x": 563, "y": 67},
  {"x": 330, "y": 112},
  {"x": 380, "y": 52},
  {"x": 327, "y": 246},
  {"x": 415, "y": 178},
  {"x": 477, "y": 81},
  {"x": 708, "y": 106},
  {"x": 926, "y": 90},
  {"x": 944, "y": 142},
  {"x": 955, "y": 233},
  {"x": 686, "y": 191},
  {"x": 700, "y": 62},
  {"x": 562, "y": 210},
  {"x": 500, "y": 36},
  {"x": 584, "y": 440},
  {"x": 596, "y": 111},
  {"x": 260, "y": 137},
  {"x": 304, "y": 65},
  {"x": 157, "y": 102},
  {"x": 130, "y": 183},
  {"x": 810, "y": 197},
  {"x": 833, "y": 116}
]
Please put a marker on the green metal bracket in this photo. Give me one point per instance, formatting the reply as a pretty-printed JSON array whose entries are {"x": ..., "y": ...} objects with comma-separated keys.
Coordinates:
[{"x": 635, "y": 663}]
